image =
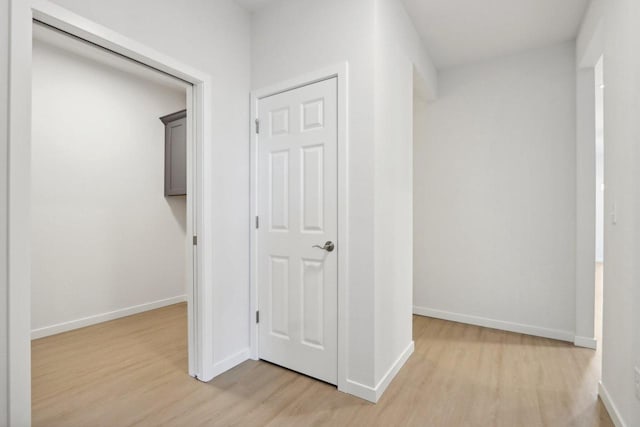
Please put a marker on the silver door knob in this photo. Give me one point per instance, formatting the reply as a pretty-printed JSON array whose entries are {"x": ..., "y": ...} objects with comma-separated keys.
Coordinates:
[{"x": 329, "y": 246}]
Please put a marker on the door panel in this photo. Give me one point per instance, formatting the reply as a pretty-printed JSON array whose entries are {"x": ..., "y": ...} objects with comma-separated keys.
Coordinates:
[
  {"x": 297, "y": 205},
  {"x": 312, "y": 188},
  {"x": 279, "y": 190},
  {"x": 312, "y": 302}
]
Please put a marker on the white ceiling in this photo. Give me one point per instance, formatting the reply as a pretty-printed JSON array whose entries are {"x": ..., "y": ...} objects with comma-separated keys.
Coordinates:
[
  {"x": 462, "y": 31},
  {"x": 253, "y": 5}
]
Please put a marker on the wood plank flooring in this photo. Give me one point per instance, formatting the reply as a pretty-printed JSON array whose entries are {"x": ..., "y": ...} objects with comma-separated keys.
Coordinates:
[{"x": 133, "y": 371}]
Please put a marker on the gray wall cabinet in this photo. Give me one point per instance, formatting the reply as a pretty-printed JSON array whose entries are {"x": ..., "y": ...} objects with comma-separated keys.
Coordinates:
[{"x": 175, "y": 153}]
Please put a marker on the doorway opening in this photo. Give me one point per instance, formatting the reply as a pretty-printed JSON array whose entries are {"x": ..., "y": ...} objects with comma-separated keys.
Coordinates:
[
  {"x": 105, "y": 239},
  {"x": 109, "y": 231}
]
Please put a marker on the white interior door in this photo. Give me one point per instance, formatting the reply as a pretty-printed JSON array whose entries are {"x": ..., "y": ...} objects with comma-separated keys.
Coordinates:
[{"x": 297, "y": 207}]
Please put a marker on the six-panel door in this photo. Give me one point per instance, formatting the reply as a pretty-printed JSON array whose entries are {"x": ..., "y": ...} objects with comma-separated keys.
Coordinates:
[{"x": 297, "y": 207}]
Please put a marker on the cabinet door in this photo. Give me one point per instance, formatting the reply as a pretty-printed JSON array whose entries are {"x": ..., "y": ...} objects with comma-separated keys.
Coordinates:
[{"x": 175, "y": 158}]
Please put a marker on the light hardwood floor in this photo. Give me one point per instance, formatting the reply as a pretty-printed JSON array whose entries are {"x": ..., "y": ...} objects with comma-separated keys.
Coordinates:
[{"x": 133, "y": 371}]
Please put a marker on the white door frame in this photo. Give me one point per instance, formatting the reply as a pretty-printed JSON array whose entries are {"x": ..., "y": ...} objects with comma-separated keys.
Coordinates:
[
  {"x": 593, "y": 50},
  {"x": 339, "y": 71},
  {"x": 199, "y": 209}
]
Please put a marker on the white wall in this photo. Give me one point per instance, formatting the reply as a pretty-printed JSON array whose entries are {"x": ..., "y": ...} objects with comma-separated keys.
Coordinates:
[
  {"x": 621, "y": 334},
  {"x": 494, "y": 194},
  {"x": 398, "y": 52},
  {"x": 4, "y": 90},
  {"x": 590, "y": 40},
  {"x": 212, "y": 36},
  {"x": 104, "y": 237}
]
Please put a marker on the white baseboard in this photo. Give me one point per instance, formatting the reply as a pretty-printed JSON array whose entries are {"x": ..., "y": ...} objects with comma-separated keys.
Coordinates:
[
  {"x": 360, "y": 390},
  {"x": 555, "y": 334},
  {"x": 610, "y": 406},
  {"x": 393, "y": 370},
  {"x": 224, "y": 365},
  {"x": 373, "y": 394},
  {"x": 104, "y": 317},
  {"x": 585, "y": 342}
]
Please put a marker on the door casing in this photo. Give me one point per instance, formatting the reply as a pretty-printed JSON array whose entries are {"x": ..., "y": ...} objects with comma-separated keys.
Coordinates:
[{"x": 340, "y": 72}]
